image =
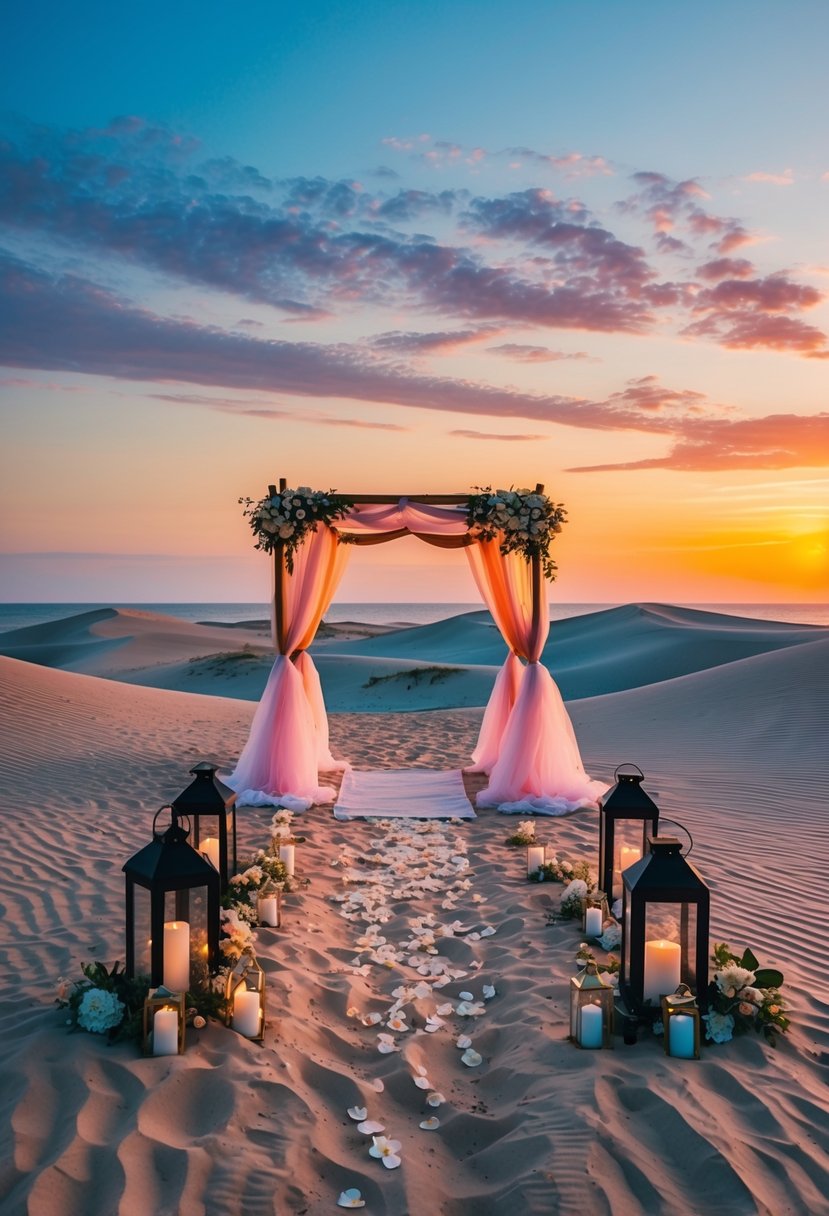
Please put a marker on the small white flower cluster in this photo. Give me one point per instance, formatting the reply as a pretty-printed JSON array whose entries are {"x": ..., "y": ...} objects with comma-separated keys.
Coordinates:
[
  {"x": 100, "y": 1010},
  {"x": 238, "y": 935},
  {"x": 289, "y": 516},
  {"x": 521, "y": 520}
]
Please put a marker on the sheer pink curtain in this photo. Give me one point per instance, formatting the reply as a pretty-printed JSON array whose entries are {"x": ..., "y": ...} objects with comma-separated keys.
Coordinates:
[
  {"x": 526, "y": 743},
  {"x": 288, "y": 741}
]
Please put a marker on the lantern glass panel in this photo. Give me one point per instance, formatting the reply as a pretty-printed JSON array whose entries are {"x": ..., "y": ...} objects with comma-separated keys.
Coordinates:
[
  {"x": 674, "y": 924},
  {"x": 143, "y": 930},
  {"x": 198, "y": 936}
]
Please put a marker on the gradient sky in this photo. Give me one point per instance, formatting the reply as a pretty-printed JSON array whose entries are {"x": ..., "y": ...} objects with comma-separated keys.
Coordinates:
[{"x": 411, "y": 247}]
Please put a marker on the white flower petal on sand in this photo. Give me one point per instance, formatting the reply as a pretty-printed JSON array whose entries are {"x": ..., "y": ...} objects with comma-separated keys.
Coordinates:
[
  {"x": 489, "y": 991},
  {"x": 371, "y": 1019},
  {"x": 488, "y": 931},
  {"x": 430, "y": 1125},
  {"x": 433, "y": 1024},
  {"x": 435, "y": 1099},
  {"x": 378, "y": 1085},
  {"x": 420, "y": 1070},
  {"x": 351, "y": 1199},
  {"x": 466, "y": 996},
  {"x": 357, "y": 1113},
  {"x": 370, "y": 1127},
  {"x": 463, "y": 1042},
  {"x": 444, "y": 1010},
  {"x": 423, "y": 1082},
  {"x": 471, "y": 1058},
  {"x": 386, "y": 1151},
  {"x": 422, "y": 990}
]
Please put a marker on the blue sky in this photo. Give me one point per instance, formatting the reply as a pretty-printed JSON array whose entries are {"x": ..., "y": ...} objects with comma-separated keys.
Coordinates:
[{"x": 447, "y": 242}]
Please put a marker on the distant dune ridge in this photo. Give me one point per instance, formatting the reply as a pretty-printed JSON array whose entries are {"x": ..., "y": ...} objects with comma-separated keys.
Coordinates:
[{"x": 728, "y": 717}]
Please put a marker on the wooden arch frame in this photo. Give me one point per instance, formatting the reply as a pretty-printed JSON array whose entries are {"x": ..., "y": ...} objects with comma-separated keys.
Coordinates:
[{"x": 436, "y": 500}]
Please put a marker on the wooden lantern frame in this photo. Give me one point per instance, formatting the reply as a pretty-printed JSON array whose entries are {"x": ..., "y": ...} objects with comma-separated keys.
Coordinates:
[
  {"x": 162, "y": 998},
  {"x": 682, "y": 1002},
  {"x": 589, "y": 988},
  {"x": 247, "y": 974}
]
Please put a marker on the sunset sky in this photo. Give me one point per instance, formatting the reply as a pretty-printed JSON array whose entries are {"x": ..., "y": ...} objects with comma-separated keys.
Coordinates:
[{"x": 415, "y": 247}]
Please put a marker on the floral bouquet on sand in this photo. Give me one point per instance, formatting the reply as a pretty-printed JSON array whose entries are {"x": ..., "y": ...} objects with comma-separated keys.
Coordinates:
[
  {"x": 282, "y": 831},
  {"x": 289, "y": 516},
  {"x": 523, "y": 835},
  {"x": 522, "y": 521},
  {"x": 108, "y": 1002},
  {"x": 743, "y": 996},
  {"x": 558, "y": 869}
]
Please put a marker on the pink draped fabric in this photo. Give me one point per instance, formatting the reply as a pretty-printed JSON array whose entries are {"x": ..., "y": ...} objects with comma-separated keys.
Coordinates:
[
  {"x": 421, "y": 519},
  {"x": 526, "y": 742},
  {"x": 288, "y": 741}
]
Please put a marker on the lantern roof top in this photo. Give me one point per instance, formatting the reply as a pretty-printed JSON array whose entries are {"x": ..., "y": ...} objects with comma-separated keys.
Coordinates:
[
  {"x": 590, "y": 980},
  {"x": 169, "y": 863},
  {"x": 627, "y": 799},
  {"x": 664, "y": 873},
  {"x": 206, "y": 794}
]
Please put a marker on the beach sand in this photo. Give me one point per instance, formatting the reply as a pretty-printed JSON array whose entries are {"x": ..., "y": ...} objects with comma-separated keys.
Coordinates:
[{"x": 728, "y": 718}]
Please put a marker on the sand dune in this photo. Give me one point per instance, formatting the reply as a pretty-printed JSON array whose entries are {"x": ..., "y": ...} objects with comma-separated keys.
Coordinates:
[
  {"x": 735, "y": 750},
  {"x": 449, "y": 664}
]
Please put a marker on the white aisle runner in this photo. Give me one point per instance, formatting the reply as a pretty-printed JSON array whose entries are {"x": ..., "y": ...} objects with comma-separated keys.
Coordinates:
[{"x": 403, "y": 793}]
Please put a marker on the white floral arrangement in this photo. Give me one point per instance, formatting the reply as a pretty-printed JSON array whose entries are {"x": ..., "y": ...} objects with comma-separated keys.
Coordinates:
[
  {"x": 743, "y": 996},
  {"x": 522, "y": 521},
  {"x": 523, "y": 835},
  {"x": 288, "y": 516},
  {"x": 282, "y": 831}
]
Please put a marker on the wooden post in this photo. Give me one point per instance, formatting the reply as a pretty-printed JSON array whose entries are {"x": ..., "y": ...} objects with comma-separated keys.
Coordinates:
[
  {"x": 537, "y": 581},
  {"x": 279, "y": 576}
]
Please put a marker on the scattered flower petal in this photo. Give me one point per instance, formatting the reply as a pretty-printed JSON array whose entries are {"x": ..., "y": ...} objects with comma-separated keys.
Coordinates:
[
  {"x": 435, "y": 1099},
  {"x": 371, "y": 1019},
  {"x": 370, "y": 1127},
  {"x": 471, "y": 1058},
  {"x": 351, "y": 1199},
  {"x": 466, "y": 996},
  {"x": 463, "y": 1042},
  {"x": 423, "y": 1082},
  {"x": 378, "y": 1085},
  {"x": 489, "y": 991},
  {"x": 430, "y": 1125},
  {"x": 357, "y": 1113},
  {"x": 444, "y": 1010},
  {"x": 488, "y": 931}
]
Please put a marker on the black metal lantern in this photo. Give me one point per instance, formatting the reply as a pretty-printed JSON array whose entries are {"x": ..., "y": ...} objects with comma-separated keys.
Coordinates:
[
  {"x": 207, "y": 797},
  {"x": 665, "y": 917},
  {"x": 172, "y": 910},
  {"x": 627, "y": 818}
]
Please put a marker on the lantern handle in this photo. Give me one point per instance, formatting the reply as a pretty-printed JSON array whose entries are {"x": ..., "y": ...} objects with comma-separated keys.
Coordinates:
[
  {"x": 175, "y": 816},
  {"x": 628, "y": 764},
  {"x": 682, "y": 828}
]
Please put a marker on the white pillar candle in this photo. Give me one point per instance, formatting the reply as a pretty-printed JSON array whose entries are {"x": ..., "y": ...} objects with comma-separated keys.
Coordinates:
[
  {"x": 246, "y": 1012},
  {"x": 165, "y": 1032},
  {"x": 681, "y": 1036},
  {"x": 269, "y": 911},
  {"x": 210, "y": 847},
  {"x": 628, "y": 856},
  {"x": 590, "y": 1026},
  {"x": 535, "y": 859},
  {"x": 176, "y": 975},
  {"x": 593, "y": 922},
  {"x": 287, "y": 855},
  {"x": 662, "y": 969}
]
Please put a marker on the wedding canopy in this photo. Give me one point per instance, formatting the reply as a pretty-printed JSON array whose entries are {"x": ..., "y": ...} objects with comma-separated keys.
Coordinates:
[{"x": 526, "y": 743}]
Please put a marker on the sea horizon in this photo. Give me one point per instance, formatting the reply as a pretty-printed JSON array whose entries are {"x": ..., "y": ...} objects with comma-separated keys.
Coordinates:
[{"x": 19, "y": 615}]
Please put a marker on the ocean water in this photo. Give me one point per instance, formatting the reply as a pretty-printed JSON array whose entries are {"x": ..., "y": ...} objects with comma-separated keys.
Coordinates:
[{"x": 16, "y": 616}]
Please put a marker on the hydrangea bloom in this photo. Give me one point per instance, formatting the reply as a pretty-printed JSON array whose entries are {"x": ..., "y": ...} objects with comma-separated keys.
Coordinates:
[
  {"x": 732, "y": 978},
  {"x": 719, "y": 1027},
  {"x": 100, "y": 1010}
]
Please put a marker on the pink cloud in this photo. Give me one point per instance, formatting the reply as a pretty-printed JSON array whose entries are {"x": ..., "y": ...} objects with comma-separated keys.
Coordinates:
[
  {"x": 777, "y": 441},
  {"x": 523, "y": 353},
  {"x": 497, "y": 438},
  {"x": 786, "y": 178}
]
